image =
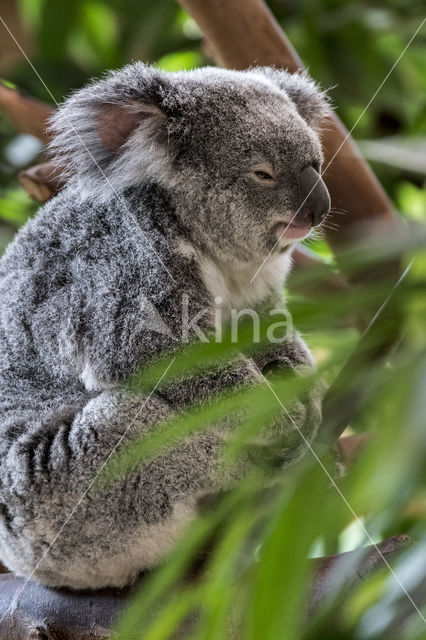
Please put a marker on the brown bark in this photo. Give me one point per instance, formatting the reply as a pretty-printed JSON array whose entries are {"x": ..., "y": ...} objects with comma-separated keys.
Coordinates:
[
  {"x": 25, "y": 113},
  {"x": 42, "y": 181},
  {"x": 9, "y": 51},
  {"x": 337, "y": 574},
  {"x": 31, "y": 611}
]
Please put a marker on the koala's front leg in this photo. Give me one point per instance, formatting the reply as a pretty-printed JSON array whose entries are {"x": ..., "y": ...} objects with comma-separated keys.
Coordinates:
[
  {"x": 297, "y": 421},
  {"x": 199, "y": 388}
]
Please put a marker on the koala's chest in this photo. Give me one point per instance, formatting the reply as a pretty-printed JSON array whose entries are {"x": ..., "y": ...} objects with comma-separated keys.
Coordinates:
[{"x": 238, "y": 287}]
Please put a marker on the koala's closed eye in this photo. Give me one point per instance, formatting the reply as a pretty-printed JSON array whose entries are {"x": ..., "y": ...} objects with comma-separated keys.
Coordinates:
[{"x": 264, "y": 174}]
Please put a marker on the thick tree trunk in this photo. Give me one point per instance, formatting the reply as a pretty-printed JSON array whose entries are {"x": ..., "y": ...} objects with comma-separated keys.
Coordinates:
[{"x": 25, "y": 113}]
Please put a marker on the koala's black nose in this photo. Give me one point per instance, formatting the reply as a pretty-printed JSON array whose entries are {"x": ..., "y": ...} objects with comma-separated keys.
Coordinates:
[{"x": 315, "y": 199}]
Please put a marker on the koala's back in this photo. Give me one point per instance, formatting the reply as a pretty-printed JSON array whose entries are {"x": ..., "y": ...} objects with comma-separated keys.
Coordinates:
[{"x": 34, "y": 271}]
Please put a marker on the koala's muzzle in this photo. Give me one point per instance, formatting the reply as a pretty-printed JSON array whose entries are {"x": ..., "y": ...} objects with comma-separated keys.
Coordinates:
[{"x": 315, "y": 199}]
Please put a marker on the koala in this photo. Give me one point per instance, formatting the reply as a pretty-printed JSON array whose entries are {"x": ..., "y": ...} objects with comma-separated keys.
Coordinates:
[{"x": 178, "y": 186}]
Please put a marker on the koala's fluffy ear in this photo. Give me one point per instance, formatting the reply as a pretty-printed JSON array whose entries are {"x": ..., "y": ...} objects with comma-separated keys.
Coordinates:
[
  {"x": 310, "y": 101},
  {"x": 113, "y": 131},
  {"x": 116, "y": 123}
]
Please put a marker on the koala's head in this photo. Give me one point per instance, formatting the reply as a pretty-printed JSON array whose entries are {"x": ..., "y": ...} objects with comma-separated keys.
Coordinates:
[{"x": 238, "y": 150}]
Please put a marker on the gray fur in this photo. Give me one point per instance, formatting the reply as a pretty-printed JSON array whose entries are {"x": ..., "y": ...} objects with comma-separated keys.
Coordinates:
[{"x": 73, "y": 290}]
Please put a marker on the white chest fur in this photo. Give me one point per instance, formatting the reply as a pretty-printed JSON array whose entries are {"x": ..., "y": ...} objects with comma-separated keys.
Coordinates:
[{"x": 239, "y": 286}]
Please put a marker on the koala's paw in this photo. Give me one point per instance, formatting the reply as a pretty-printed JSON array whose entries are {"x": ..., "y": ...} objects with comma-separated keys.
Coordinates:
[{"x": 295, "y": 428}]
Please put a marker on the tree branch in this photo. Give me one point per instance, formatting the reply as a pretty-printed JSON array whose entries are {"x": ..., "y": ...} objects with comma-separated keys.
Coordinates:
[
  {"x": 25, "y": 113},
  {"x": 42, "y": 181},
  {"x": 337, "y": 574},
  {"x": 39, "y": 613}
]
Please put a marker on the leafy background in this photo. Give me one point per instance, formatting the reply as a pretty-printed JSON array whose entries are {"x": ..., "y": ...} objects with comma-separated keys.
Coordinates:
[{"x": 258, "y": 578}]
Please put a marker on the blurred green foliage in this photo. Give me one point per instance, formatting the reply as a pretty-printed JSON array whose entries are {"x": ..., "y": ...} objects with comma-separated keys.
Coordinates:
[{"x": 258, "y": 577}]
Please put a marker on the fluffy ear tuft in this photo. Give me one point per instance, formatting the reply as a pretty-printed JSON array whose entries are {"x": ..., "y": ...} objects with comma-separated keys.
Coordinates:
[
  {"x": 310, "y": 101},
  {"x": 114, "y": 131}
]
